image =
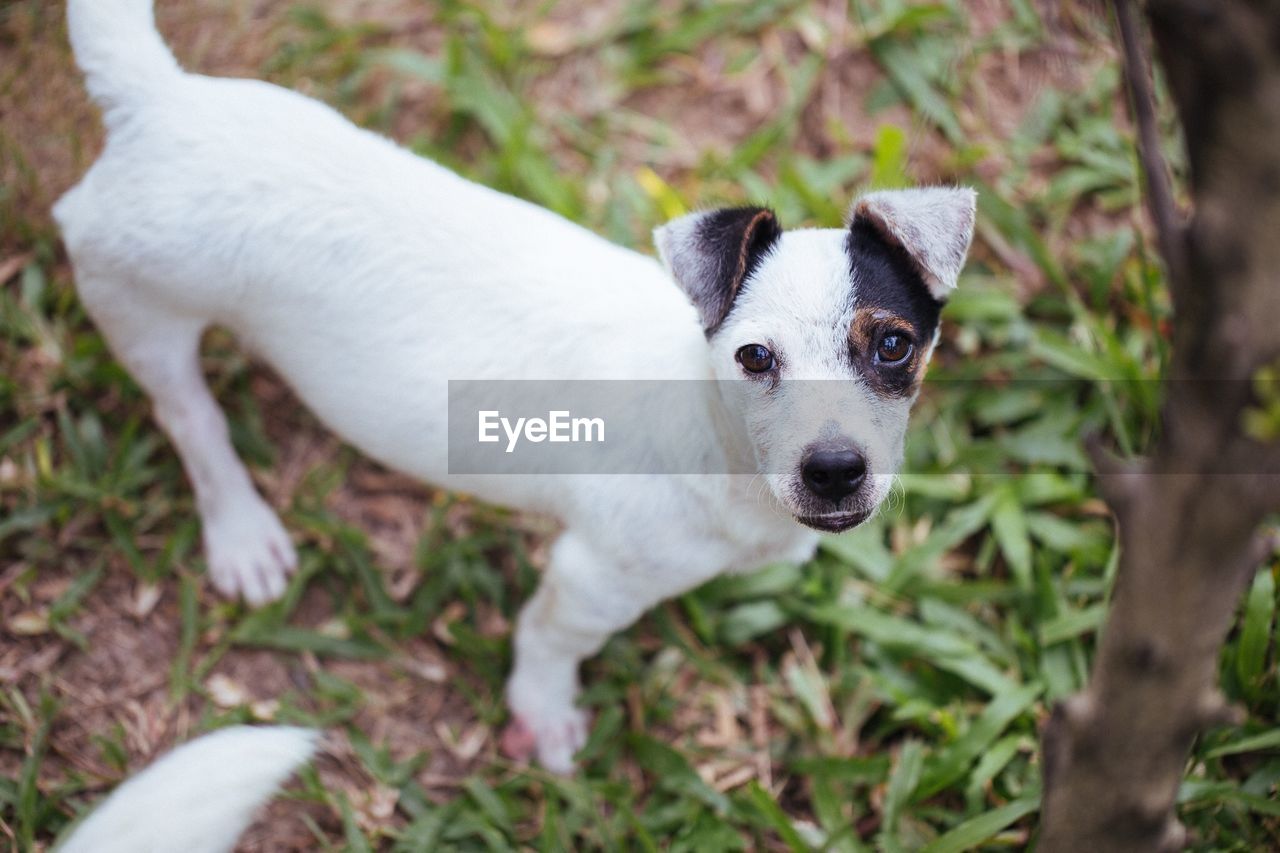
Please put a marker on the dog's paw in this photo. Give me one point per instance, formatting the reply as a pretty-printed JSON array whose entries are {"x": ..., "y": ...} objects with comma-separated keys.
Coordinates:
[
  {"x": 249, "y": 553},
  {"x": 554, "y": 740}
]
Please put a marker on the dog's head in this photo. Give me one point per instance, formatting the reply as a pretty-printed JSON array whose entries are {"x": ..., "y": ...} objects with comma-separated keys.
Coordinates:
[{"x": 830, "y": 330}]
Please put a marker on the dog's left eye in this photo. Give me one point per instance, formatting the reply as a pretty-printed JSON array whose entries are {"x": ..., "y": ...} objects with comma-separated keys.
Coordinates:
[
  {"x": 755, "y": 358},
  {"x": 893, "y": 348}
]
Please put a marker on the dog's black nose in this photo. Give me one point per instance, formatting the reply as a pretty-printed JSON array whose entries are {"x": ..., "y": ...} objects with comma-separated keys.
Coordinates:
[{"x": 833, "y": 474}]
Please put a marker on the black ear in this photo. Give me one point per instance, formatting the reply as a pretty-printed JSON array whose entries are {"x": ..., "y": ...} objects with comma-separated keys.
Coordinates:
[
  {"x": 711, "y": 254},
  {"x": 933, "y": 225}
]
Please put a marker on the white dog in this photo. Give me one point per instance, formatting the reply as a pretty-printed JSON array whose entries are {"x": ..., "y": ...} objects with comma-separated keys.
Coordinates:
[{"x": 368, "y": 277}]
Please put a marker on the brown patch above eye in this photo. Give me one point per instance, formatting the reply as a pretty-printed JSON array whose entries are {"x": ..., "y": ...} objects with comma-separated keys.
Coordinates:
[
  {"x": 868, "y": 327},
  {"x": 870, "y": 324}
]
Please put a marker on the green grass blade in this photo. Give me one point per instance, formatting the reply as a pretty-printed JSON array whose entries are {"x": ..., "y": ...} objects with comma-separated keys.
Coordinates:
[
  {"x": 975, "y": 831},
  {"x": 1255, "y": 633}
]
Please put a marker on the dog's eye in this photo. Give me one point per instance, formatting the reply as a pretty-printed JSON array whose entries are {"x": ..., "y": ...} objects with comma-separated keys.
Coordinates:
[
  {"x": 755, "y": 358},
  {"x": 893, "y": 348}
]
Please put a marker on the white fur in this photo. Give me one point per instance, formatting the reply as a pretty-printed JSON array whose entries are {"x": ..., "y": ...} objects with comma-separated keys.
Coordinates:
[
  {"x": 368, "y": 277},
  {"x": 197, "y": 799},
  {"x": 119, "y": 50}
]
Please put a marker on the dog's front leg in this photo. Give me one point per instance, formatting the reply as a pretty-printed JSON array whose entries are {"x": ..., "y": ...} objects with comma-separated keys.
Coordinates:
[{"x": 583, "y": 599}]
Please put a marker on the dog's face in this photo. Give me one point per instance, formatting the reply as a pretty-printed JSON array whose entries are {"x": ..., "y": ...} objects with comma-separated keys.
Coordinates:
[{"x": 828, "y": 332}]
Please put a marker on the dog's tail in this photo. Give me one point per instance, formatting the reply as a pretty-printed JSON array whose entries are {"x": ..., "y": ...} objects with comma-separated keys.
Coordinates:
[
  {"x": 200, "y": 797},
  {"x": 119, "y": 49}
]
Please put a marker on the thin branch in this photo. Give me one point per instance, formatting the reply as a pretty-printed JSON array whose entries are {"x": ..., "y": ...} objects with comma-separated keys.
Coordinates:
[
  {"x": 1169, "y": 222},
  {"x": 1265, "y": 546},
  {"x": 1117, "y": 478}
]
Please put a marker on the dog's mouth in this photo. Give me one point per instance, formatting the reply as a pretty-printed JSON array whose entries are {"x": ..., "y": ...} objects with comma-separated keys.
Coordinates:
[{"x": 834, "y": 523}]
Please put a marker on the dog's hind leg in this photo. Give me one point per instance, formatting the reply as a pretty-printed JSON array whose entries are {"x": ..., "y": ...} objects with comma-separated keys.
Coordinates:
[{"x": 246, "y": 547}]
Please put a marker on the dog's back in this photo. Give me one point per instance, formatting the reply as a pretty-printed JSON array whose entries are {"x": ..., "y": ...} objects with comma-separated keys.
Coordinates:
[{"x": 223, "y": 197}]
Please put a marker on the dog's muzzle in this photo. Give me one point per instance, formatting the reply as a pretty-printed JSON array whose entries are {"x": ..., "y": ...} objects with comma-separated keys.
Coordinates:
[{"x": 834, "y": 478}]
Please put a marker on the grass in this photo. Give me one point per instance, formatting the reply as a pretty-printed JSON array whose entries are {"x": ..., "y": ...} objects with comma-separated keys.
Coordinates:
[{"x": 887, "y": 695}]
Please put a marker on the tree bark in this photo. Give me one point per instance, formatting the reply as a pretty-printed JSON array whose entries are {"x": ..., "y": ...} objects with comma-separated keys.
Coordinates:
[{"x": 1188, "y": 516}]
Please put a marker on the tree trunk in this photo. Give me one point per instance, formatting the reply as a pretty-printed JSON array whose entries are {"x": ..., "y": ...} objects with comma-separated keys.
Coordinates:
[{"x": 1115, "y": 754}]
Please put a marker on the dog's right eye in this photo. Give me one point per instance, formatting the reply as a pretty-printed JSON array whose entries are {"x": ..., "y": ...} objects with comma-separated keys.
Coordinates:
[{"x": 756, "y": 358}]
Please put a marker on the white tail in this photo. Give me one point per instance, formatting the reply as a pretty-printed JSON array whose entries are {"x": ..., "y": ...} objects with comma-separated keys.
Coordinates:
[
  {"x": 197, "y": 799},
  {"x": 118, "y": 48}
]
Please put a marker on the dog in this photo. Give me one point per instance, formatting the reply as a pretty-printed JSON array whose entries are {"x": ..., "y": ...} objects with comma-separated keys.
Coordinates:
[
  {"x": 368, "y": 277},
  {"x": 198, "y": 798}
]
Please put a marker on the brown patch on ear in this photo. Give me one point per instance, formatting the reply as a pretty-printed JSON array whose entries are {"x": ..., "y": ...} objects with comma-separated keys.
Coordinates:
[
  {"x": 759, "y": 233},
  {"x": 712, "y": 254}
]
